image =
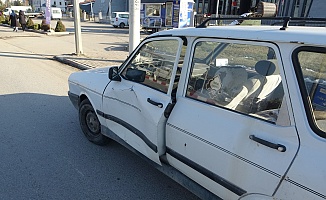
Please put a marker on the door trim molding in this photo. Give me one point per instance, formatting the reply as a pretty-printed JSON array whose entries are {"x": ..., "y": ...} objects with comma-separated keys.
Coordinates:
[
  {"x": 131, "y": 128},
  {"x": 209, "y": 174}
]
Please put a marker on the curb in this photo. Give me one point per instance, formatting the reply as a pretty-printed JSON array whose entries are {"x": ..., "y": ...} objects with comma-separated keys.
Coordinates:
[
  {"x": 42, "y": 32},
  {"x": 62, "y": 59}
]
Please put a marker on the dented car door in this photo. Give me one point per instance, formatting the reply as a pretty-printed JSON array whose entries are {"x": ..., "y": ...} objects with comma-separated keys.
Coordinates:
[{"x": 134, "y": 107}]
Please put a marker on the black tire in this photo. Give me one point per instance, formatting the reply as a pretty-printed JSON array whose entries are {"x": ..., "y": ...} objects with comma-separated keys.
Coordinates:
[
  {"x": 90, "y": 124},
  {"x": 122, "y": 25},
  {"x": 115, "y": 26}
]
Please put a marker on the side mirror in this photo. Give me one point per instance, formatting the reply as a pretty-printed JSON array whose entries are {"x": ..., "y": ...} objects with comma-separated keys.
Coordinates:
[
  {"x": 135, "y": 75},
  {"x": 114, "y": 74}
]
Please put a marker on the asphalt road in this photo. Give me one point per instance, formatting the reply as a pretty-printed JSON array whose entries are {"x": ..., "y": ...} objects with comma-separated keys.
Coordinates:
[{"x": 43, "y": 152}]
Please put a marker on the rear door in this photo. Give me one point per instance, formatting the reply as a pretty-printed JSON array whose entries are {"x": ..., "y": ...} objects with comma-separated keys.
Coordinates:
[
  {"x": 231, "y": 129},
  {"x": 135, "y": 110}
]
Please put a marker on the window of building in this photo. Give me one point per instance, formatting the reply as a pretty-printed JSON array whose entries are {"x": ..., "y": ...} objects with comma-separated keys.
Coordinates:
[{"x": 153, "y": 10}]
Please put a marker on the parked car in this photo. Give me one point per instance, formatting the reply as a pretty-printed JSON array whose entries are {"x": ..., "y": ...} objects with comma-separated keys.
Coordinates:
[
  {"x": 239, "y": 112},
  {"x": 120, "y": 19},
  {"x": 8, "y": 10},
  {"x": 56, "y": 13}
]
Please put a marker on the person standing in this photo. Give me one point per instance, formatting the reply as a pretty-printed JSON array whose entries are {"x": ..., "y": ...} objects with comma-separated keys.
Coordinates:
[
  {"x": 13, "y": 21},
  {"x": 22, "y": 19}
]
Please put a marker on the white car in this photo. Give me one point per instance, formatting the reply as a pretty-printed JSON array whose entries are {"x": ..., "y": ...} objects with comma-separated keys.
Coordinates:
[
  {"x": 120, "y": 19},
  {"x": 250, "y": 127},
  {"x": 56, "y": 13}
]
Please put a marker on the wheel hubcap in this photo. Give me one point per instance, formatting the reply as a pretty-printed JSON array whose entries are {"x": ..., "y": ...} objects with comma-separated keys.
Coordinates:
[{"x": 92, "y": 123}]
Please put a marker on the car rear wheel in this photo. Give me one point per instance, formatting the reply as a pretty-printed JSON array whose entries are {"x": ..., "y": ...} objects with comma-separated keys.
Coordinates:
[
  {"x": 90, "y": 124},
  {"x": 122, "y": 25}
]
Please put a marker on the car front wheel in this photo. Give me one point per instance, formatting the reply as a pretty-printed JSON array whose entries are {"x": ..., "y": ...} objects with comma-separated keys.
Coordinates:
[{"x": 90, "y": 124}]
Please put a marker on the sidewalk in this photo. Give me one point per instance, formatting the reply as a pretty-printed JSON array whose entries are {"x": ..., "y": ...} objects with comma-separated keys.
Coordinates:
[
  {"x": 91, "y": 61},
  {"x": 108, "y": 50}
]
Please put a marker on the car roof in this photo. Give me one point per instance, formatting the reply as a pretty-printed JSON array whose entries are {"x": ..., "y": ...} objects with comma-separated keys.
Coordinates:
[{"x": 297, "y": 34}]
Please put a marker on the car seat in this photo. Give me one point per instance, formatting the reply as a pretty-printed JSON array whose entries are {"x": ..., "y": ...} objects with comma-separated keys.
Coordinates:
[
  {"x": 223, "y": 85},
  {"x": 262, "y": 85}
]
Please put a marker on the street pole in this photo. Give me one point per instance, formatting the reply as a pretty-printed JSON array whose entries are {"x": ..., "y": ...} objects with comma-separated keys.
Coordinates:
[
  {"x": 92, "y": 10},
  {"x": 217, "y": 5},
  {"x": 110, "y": 11},
  {"x": 134, "y": 24},
  {"x": 78, "y": 38}
]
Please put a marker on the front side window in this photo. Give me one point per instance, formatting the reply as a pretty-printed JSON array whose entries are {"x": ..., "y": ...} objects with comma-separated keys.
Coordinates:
[
  {"x": 240, "y": 77},
  {"x": 157, "y": 58},
  {"x": 312, "y": 62}
]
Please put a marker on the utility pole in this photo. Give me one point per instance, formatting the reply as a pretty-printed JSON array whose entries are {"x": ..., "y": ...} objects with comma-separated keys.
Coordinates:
[
  {"x": 110, "y": 10},
  {"x": 217, "y": 5},
  {"x": 78, "y": 38},
  {"x": 134, "y": 24}
]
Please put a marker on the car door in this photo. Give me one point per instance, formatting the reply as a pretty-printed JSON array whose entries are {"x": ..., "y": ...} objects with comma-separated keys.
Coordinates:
[
  {"x": 231, "y": 129},
  {"x": 134, "y": 107}
]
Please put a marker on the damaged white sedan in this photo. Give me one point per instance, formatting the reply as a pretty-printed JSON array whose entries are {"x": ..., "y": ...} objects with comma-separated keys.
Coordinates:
[{"x": 229, "y": 112}]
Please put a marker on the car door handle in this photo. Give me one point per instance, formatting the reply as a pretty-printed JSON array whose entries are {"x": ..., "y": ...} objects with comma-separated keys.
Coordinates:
[
  {"x": 160, "y": 105},
  {"x": 278, "y": 147}
]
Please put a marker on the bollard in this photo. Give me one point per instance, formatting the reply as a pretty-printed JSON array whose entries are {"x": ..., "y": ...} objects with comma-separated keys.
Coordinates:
[
  {"x": 100, "y": 15},
  {"x": 84, "y": 16},
  {"x": 70, "y": 14}
]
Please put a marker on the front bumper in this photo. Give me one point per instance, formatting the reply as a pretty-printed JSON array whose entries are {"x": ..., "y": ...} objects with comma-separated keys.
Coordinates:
[{"x": 74, "y": 98}]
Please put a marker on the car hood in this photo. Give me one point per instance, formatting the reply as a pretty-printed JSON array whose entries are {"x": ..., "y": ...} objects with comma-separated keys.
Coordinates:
[{"x": 93, "y": 79}]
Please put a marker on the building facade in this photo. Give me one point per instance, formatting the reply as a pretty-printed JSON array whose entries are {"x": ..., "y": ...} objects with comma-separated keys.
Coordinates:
[
  {"x": 292, "y": 8},
  {"x": 109, "y": 6},
  {"x": 39, "y": 5}
]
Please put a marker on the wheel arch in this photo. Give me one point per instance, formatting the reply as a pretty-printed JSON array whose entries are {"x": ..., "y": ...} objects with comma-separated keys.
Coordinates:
[
  {"x": 82, "y": 97},
  {"x": 90, "y": 122},
  {"x": 120, "y": 25},
  {"x": 95, "y": 103}
]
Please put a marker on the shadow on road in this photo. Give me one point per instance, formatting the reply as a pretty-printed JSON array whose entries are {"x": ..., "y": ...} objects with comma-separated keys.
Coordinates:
[{"x": 44, "y": 155}]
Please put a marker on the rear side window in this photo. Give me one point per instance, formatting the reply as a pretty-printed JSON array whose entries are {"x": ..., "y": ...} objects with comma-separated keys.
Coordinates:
[
  {"x": 312, "y": 79},
  {"x": 240, "y": 77},
  {"x": 124, "y": 16},
  {"x": 114, "y": 15}
]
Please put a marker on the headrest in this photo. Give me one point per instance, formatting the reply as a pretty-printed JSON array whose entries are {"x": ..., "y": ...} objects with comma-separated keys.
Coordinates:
[{"x": 267, "y": 67}]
